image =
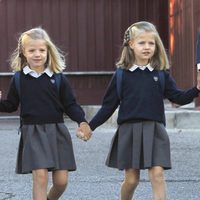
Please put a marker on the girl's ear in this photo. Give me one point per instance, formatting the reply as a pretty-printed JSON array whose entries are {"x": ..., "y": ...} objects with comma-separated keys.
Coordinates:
[
  {"x": 22, "y": 53},
  {"x": 131, "y": 44}
]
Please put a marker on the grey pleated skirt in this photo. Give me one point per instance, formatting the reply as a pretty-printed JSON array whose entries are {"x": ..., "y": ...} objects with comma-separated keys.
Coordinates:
[
  {"x": 47, "y": 146},
  {"x": 140, "y": 145}
]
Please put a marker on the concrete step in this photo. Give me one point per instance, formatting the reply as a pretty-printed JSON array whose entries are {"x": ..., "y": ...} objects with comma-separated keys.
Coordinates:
[{"x": 183, "y": 117}]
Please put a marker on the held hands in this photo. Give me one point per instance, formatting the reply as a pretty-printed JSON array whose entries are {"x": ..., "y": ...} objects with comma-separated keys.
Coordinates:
[{"x": 84, "y": 132}]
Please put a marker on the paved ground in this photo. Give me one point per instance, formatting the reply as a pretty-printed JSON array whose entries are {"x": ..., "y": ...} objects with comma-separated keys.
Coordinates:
[{"x": 93, "y": 180}]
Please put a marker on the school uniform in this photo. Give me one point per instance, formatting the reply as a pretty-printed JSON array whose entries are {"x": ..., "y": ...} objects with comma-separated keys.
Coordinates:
[
  {"x": 141, "y": 140},
  {"x": 45, "y": 141}
]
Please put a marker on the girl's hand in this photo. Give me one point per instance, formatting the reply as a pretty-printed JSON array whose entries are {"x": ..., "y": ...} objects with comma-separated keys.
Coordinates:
[
  {"x": 198, "y": 80},
  {"x": 84, "y": 132},
  {"x": 79, "y": 133},
  {"x": 0, "y": 94}
]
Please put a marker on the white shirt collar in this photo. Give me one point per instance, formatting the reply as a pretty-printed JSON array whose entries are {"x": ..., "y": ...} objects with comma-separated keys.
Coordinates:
[
  {"x": 148, "y": 66},
  {"x": 28, "y": 70}
]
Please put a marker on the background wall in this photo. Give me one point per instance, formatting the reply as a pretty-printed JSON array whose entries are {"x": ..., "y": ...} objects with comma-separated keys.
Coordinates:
[
  {"x": 184, "y": 22},
  {"x": 89, "y": 31}
]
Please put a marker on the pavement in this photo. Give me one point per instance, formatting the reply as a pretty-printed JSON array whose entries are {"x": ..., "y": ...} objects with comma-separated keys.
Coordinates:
[{"x": 93, "y": 180}]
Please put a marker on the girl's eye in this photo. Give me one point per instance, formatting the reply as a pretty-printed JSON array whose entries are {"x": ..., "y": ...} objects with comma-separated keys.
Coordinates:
[
  {"x": 31, "y": 50},
  {"x": 141, "y": 42},
  {"x": 152, "y": 43}
]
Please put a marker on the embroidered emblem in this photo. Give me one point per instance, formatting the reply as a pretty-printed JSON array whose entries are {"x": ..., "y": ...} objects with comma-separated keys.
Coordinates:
[
  {"x": 52, "y": 81},
  {"x": 155, "y": 78}
]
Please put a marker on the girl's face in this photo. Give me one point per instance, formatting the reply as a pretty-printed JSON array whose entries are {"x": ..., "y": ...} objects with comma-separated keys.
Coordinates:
[
  {"x": 35, "y": 52},
  {"x": 144, "y": 47}
]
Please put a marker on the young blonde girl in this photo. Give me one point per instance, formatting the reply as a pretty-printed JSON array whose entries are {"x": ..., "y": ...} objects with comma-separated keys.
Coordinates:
[
  {"x": 141, "y": 141},
  {"x": 45, "y": 143}
]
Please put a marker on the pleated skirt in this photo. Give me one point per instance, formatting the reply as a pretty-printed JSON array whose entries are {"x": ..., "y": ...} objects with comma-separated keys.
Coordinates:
[
  {"x": 46, "y": 146},
  {"x": 140, "y": 145}
]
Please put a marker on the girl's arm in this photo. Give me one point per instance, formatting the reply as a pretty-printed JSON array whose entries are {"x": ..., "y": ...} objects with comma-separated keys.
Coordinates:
[
  {"x": 109, "y": 105},
  {"x": 11, "y": 103},
  {"x": 74, "y": 110},
  {"x": 71, "y": 107},
  {"x": 179, "y": 96}
]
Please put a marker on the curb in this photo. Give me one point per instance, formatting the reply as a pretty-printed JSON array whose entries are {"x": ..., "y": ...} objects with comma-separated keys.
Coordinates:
[{"x": 176, "y": 118}]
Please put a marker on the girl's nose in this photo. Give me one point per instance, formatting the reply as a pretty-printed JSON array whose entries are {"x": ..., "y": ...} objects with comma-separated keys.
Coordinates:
[
  {"x": 37, "y": 53},
  {"x": 146, "y": 46}
]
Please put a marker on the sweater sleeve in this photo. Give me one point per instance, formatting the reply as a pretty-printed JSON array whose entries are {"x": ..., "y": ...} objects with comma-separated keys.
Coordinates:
[
  {"x": 176, "y": 95},
  {"x": 109, "y": 105},
  {"x": 11, "y": 103},
  {"x": 71, "y": 107}
]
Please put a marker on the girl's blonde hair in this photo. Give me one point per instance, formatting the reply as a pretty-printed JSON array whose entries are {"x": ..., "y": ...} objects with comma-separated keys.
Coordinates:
[
  {"x": 159, "y": 60},
  {"x": 55, "y": 57}
]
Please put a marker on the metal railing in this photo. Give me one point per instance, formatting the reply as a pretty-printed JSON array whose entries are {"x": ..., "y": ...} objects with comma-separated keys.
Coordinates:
[{"x": 80, "y": 73}]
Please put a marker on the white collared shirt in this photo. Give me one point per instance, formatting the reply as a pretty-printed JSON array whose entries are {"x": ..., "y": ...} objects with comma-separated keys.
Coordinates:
[
  {"x": 28, "y": 70},
  {"x": 148, "y": 66}
]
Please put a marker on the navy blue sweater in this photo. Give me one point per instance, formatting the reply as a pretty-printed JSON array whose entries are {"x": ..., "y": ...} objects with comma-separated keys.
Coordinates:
[
  {"x": 142, "y": 98},
  {"x": 41, "y": 101}
]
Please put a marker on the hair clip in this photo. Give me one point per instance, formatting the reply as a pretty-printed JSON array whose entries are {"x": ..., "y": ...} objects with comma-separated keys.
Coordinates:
[{"x": 127, "y": 36}]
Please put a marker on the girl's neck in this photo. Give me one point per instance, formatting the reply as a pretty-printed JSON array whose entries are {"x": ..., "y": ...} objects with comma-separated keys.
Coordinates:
[
  {"x": 141, "y": 63},
  {"x": 38, "y": 69}
]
